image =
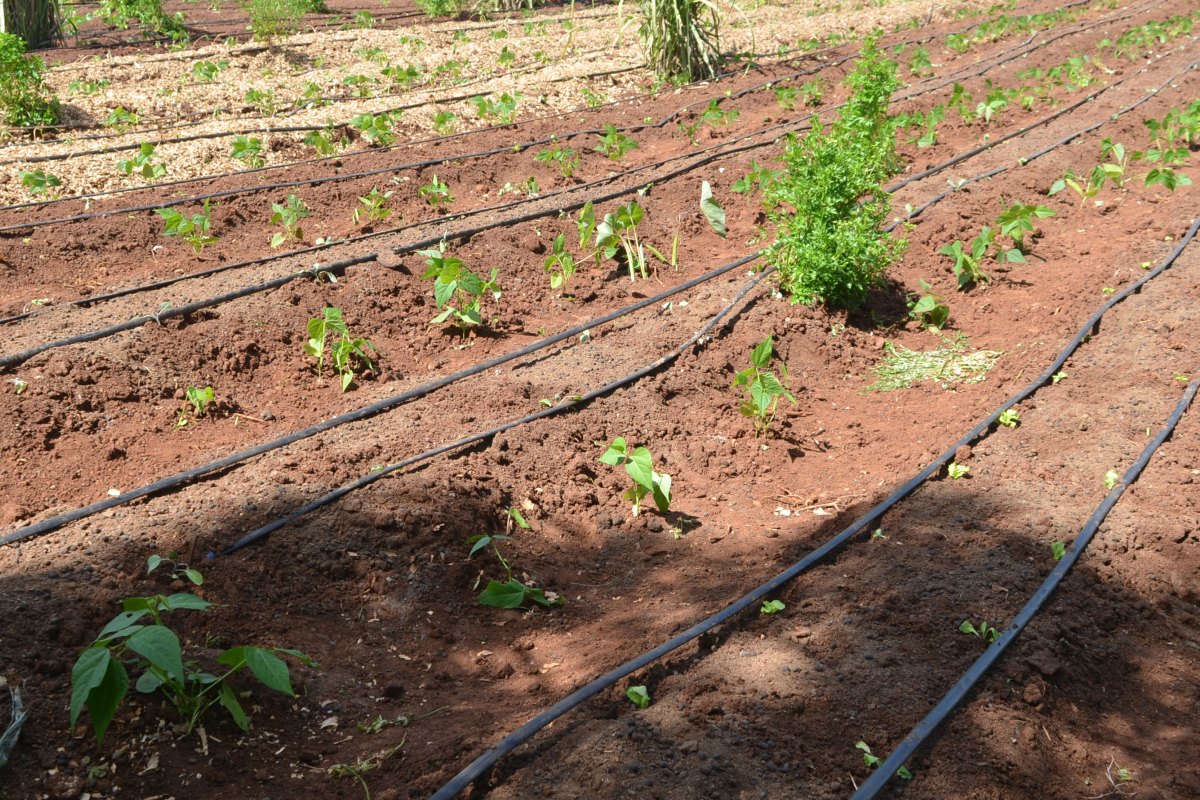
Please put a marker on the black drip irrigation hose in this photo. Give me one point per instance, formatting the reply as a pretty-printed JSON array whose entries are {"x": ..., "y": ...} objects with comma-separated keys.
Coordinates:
[
  {"x": 510, "y": 742},
  {"x": 877, "y": 782},
  {"x": 481, "y": 436},
  {"x": 386, "y": 404}
]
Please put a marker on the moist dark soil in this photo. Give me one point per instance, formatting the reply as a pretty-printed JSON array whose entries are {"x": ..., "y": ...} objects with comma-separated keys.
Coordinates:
[{"x": 1097, "y": 697}]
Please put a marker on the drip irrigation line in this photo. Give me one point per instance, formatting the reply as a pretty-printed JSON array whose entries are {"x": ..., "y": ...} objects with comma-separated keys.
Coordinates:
[
  {"x": 266, "y": 530},
  {"x": 878, "y": 780},
  {"x": 386, "y": 404},
  {"x": 510, "y": 742}
]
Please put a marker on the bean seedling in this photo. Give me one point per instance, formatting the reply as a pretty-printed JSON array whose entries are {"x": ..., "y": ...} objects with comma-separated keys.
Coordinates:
[
  {"x": 373, "y": 208},
  {"x": 1009, "y": 418},
  {"x": 956, "y": 470},
  {"x": 457, "y": 291},
  {"x": 200, "y": 400},
  {"x": 288, "y": 215},
  {"x": 437, "y": 194},
  {"x": 37, "y": 182},
  {"x": 194, "y": 230},
  {"x": 140, "y": 637},
  {"x": 640, "y": 466},
  {"x": 444, "y": 123},
  {"x": 1058, "y": 550},
  {"x": 509, "y": 593},
  {"x": 566, "y": 158},
  {"x": 348, "y": 353},
  {"x": 638, "y": 696},
  {"x": 614, "y": 144},
  {"x": 772, "y": 607},
  {"x": 1018, "y": 220},
  {"x": 930, "y": 310},
  {"x": 560, "y": 264},
  {"x": 873, "y": 761},
  {"x": 249, "y": 150},
  {"x": 762, "y": 387},
  {"x": 500, "y": 111},
  {"x": 142, "y": 164},
  {"x": 375, "y": 128},
  {"x": 984, "y": 631},
  {"x": 1111, "y": 478}
]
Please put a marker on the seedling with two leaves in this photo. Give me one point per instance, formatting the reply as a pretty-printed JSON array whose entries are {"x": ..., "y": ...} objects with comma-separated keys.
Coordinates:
[
  {"x": 640, "y": 466},
  {"x": 373, "y": 206},
  {"x": 437, "y": 194},
  {"x": 873, "y": 761},
  {"x": 614, "y": 144},
  {"x": 288, "y": 215},
  {"x": 200, "y": 400},
  {"x": 194, "y": 229},
  {"x": 348, "y": 353},
  {"x": 143, "y": 164},
  {"x": 762, "y": 388},
  {"x": 509, "y": 593},
  {"x": 567, "y": 159},
  {"x": 930, "y": 310},
  {"x": 457, "y": 291},
  {"x": 984, "y": 631}
]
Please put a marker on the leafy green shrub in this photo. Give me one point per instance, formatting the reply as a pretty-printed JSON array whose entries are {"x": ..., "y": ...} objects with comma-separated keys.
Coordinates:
[
  {"x": 273, "y": 18},
  {"x": 830, "y": 202},
  {"x": 25, "y": 100},
  {"x": 682, "y": 38},
  {"x": 122, "y": 13}
]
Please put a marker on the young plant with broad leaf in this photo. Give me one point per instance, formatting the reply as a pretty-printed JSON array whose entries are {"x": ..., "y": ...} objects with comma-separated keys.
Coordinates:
[
  {"x": 761, "y": 388},
  {"x": 640, "y": 466}
]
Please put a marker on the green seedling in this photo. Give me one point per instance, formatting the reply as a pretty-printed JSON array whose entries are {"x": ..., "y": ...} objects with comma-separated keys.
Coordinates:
[
  {"x": 1168, "y": 178},
  {"x": 373, "y": 208},
  {"x": 785, "y": 97},
  {"x": 614, "y": 144},
  {"x": 288, "y": 215},
  {"x": 813, "y": 92},
  {"x": 984, "y": 631},
  {"x": 759, "y": 177},
  {"x": 360, "y": 85},
  {"x": 1018, "y": 220},
  {"x": 929, "y": 309},
  {"x": 177, "y": 569},
  {"x": 1058, "y": 377},
  {"x": 712, "y": 210},
  {"x": 1009, "y": 418},
  {"x": 500, "y": 111},
  {"x": 919, "y": 64},
  {"x": 762, "y": 387},
  {"x": 347, "y": 353},
  {"x": 1111, "y": 478},
  {"x": 506, "y": 58},
  {"x": 873, "y": 761},
  {"x": 194, "y": 229},
  {"x": 566, "y": 158},
  {"x": 403, "y": 77},
  {"x": 87, "y": 88},
  {"x": 638, "y": 696},
  {"x": 1086, "y": 189},
  {"x": 640, "y": 466},
  {"x": 326, "y": 141},
  {"x": 207, "y": 71},
  {"x": 714, "y": 116},
  {"x": 364, "y": 765},
  {"x": 375, "y": 128},
  {"x": 121, "y": 119},
  {"x": 262, "y": 100},
  {"x": 381, "y": 723},
  {"x": 142, "y": 164},
  {"x": 437, "y": 194},
  {"x": 200, "y": 400},
  {"x": 772, "y": 607},
  {"x": 36, "y": 182},
  {"x": 956, "y": 470},
  {"x": 444, "y": 123},
  {"x": 560, "y": 264},
  {"x": 877, "y": 535},
  {"x": 617, "y": 232},
  {"x": 509, "y": 593},
  {"x": 528, "y": 187},
  {"x": 968, "y": 263},
  {"x": 1058, "y": 550},
  {"x": 140, "y": 638},
  {"x": 457, "y": 291},
  {"x": 690, "y": 131},
  {"x": 248, "y": 149}
]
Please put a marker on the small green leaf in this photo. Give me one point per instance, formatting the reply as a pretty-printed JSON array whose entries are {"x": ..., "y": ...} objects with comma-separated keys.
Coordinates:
[
  {"x": 230, "y": 702},
  {"x": 1058, "y": 550},
  {"x": 120, "y": 625},
  {"x": 638, "y": 696},
  {"x": 153, "y": 561},
  {"x": 904, "y": 774},
  {"x": 86, "y": 675},
  {"x": 270, "y": 669},
  {"x": 761, "y": 355},
  {"x": 1110, "y": 479},
  {"x": 772, "y": 607},
  {"x": 149, "y": 682},
  {"x": 188, "y": 601},
  {"x": 510, "y": 594}
]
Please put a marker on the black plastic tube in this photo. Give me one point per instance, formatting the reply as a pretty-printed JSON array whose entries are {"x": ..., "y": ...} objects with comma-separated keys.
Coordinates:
[
  {"x": 510, "y": 742},
  {"x": 474, "y": 438},
  {"x": 386, "y": 404},
  {"x": 879, "y": 779}
]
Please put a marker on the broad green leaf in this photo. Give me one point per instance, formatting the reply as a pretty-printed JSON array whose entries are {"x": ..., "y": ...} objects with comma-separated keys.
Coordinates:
[
  {"x": 662, "y": 492},
  {"x": 297, "y": 655},
  {"x": 771, "y": 385},
  {"x": 509, "y": 594},
  {"x": 615, "y": 454},
  {"x": 761, "y": 355},
  {"x": 712, "y": 209},
  {"x": 149, "y": 682},
  {"x": 160, "y": 646},
  {"x": 270, "y": 669},
  {"x": 443, "y": 290},
  {"x": 445, "y": 315},
  {"x": 638, "y": 696},
  {"x": 188, "y": 601},
  {"x": 230, "y": 702},
  {"x": 86, "y": 675},
  {"x": 471, "y": 283},
  {"x": 640, "y": 467},
  {"x": 153, "y": 561},
  {"x": 347, "y": 379},
  {"x": 120, "y": 624},
  {"x": 1015, "y": 256}
]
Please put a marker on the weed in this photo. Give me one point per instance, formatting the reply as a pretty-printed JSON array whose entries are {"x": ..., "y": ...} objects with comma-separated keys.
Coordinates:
[
  {"x": 919, "y": 64},
  {"x": 566, "y": 158},
  {"x": 99, "y": 679},
  {"x": 457, "y": 291},
  {"x": 640, "y": 466},
  {"x": 1058, "y": 549},
  {"x": 772, "y": 607},
  {"x": 500, "y": 111},
  {"x": 248, "y": 149},
  {"x": 957, "y": 471},
  {"x": 142, "y": 164},
  {"x": 373, "y": 208},
  {"x": 829, "y": 245},
  {"x": 614, "y": 144},
  {"x": 194, "y": 230},
  {"x": 200, "y": 400},
  {"x": 365, "y": 765},
  {"x": 950, "y": 363},
  {"x": 1009, "y": 418},
  {"x": 759, "y": 177},
  {"x": 763, "y": 388},
  {"x": 270, "y": 19},
  {"x": 348, "y": 353},
  {"x": 122, "y": 13},
  {"x": 930, "y": 310},
  {"x": 437, "y": 194},
  {"x": 36, "y": 181},
  {"x": 1111, "y": 478},
  {"x": 638, "y": 696},
  {"x": 984, "y": 631},
  {"x": 288, "y": 215},
  {"x": 1058, "y": 377}
]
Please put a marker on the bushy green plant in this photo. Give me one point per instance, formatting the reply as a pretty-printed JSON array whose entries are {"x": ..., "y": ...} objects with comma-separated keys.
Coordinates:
[
  {"x": 25, "y": 100},
  {"x": 761, "y": 387},
  {"x": 273, "y": 18},
  {"x": 682, "y": 38},
  {"x": 640, "y": 466},
  {"x": 122, "y": 13},
  {"x": 348, "y": 353},
  {"x": 457, "y": 291},
  {"x": 194, "y": 230},
  {"x": 830, "y": 204}
]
